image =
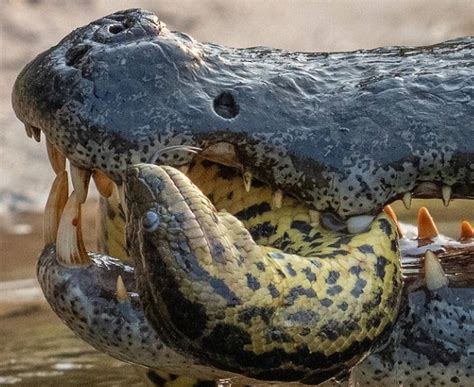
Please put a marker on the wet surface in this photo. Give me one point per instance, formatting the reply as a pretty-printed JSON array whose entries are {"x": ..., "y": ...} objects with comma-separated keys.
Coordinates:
[{"x": 37, "y": 349}]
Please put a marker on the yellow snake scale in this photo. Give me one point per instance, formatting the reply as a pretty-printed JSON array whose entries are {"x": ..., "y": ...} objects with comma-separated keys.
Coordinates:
[{"x": 310, "y": 297}]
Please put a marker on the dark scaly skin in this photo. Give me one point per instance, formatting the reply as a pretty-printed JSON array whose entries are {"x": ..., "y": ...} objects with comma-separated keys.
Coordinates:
[
  {"x": 449, "y": 359},
  {"x": 432, "y": 343},
  {"x": 343, "y": 132},
  {"x": 450, "y": 310},
  {"x": 409, "y": 126},
  {"x": 85, "y": 300}
]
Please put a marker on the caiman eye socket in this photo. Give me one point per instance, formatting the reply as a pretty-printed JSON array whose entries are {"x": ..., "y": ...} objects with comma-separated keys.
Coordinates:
[{"x": 150, "y": 221}]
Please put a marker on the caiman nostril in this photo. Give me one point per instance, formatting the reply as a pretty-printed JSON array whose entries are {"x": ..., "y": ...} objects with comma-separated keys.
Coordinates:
[
  {"x": 116, "y": 28},
  {"x": 225, "y": 105}
]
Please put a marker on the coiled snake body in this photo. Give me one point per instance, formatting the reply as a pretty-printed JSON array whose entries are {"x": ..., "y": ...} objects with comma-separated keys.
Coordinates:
[{"x": 302, "y": 304}]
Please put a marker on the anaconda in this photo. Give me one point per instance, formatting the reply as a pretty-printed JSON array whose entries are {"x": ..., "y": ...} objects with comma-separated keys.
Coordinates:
[{"x": 341, "y": 133}]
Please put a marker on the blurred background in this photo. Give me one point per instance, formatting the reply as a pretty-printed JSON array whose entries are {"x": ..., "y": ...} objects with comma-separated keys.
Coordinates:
[{"x": 36, "y": 347}]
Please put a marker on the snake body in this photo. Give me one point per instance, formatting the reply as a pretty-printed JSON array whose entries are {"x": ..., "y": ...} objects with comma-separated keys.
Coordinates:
[{"x": 301, "y": 305}]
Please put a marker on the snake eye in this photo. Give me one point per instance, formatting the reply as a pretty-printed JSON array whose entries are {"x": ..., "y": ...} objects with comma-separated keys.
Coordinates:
[{"x": 150, "y": 221}]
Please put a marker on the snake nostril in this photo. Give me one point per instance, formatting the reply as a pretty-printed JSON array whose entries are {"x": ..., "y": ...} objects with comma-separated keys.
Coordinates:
[
  {"x": 226, "y": 106},
  {"x": 116, "y": 28}
]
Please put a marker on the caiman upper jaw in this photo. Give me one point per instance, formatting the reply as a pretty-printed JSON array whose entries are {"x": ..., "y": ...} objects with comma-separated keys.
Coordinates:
[{"x": 343, "y": 132}]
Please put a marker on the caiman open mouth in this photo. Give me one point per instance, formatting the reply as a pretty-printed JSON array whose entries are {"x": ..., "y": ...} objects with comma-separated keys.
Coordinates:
[
  {"x": 272, "y": 219},
  {"x": 283, "y": 250}
]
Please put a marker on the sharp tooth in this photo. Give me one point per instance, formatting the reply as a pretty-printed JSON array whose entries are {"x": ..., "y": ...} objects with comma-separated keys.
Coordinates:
[
  {"x": 391, "y": 213},
  {"x": 247, "y": 176},
  {"x": 277, "y": 199},
  {"x": 359, "y": 223},
  {"x": 104, "y": 185},
  {"x": 69, "y": 243},
  {"x": 54, "y": 207},
  {"x": 184, "y": 169},
  {"x": 80, "y": 181},
  {"x": 28, "y": 130},
  {"x": 222, "y": 153},
  {"x": 314, "y": 217},
  {"x": 120, "y": 290},
  {"x": 57, "y": 160},
  {"x": 36, "y": 134},
  {"x": 434, "y": 274},
  {"x": 467, "y": 231},
  {"x": 446, "y": 193},
  {"x": 426, "y": 226},
  {"x": 406, "y": 199}
]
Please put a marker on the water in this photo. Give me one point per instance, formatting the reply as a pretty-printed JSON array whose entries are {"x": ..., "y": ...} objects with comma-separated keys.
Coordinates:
[{"x": 37, "y": 349}]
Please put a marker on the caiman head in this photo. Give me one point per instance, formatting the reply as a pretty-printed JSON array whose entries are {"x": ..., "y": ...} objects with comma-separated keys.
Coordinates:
[
  {"x": 339, "y": 134},
  {"x": 346, "y": 133}
]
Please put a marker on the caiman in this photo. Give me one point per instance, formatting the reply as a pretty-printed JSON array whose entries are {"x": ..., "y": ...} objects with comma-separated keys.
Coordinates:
[{"x": 245, "y": 232}]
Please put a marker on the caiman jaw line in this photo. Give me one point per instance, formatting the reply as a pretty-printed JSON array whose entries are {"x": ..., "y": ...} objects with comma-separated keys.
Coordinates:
[
  {"x": 70, "y": 244},
  {"x": 62, "y": 218},
  {"x": 69, "y": 241}
]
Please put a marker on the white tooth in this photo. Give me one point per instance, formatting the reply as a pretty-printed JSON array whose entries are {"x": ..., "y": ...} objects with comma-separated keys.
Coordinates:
[
  {"x": 104, "y": 185},
  {"x": 314, "y": 216},
  {"x": 28, "y": 130},
  {"x": 54, "y": 207},
  {"x": 36, "y": 134},
  {"x": 446, "y": 193},
  {"x": 120, "y": 290},
  {"x": 80, "y": 181},
  {"x": 247, "y": 176},
  {"x": 359, "y": 223},
  {"x": 434, "y": 274},
  {"x": 69, "y": 243},
  {"x": 184, "y": 169},
  {"x": 406, "y": 199},
  {"x": 57, "y": 160},
  {"x": 277, "y": 199}
]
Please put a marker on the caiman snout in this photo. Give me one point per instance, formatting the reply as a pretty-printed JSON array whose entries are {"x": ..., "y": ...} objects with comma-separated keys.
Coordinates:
[{"x": 342, "y": 132}]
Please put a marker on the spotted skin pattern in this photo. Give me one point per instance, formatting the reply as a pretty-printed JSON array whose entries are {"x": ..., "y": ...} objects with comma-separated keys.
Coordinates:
[
  {"x": 432, "y": 343},
  {"x": 85, "y": 300},
  {"x": 254, "y": 309},
  {"x": 341, "y": 132},
  {"x": 397, "y": 362},
  {"x": 404, "y": 361}
]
